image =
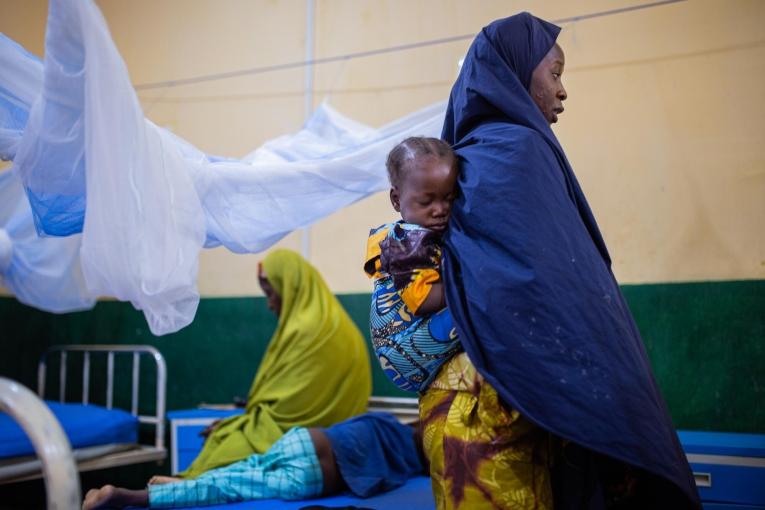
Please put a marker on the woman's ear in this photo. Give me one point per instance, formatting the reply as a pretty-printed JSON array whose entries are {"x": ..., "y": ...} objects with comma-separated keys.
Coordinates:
[{"x": 394, "y": 199}]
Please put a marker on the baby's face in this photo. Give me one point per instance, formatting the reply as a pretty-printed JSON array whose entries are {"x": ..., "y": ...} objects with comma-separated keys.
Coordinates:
[{"x": 426, "y": 192}]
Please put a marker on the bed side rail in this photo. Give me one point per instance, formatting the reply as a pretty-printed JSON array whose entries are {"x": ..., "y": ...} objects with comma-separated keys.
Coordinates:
[
  {"x": 137, "y": 351},
  {"x": 403, "y": 408},
  {"x": 62, "y": 481}
]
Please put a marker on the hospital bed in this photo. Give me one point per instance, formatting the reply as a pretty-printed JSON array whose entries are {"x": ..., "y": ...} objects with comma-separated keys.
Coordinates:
[
  {"x": 186, "y": 444},
  {"x": 102, "y": 425},
  {"x": 187, "y": 424},
  {"x": 61, "y": 481},
  {"x": 729, "y": 469},
  {"x": 416, "y": 494}
]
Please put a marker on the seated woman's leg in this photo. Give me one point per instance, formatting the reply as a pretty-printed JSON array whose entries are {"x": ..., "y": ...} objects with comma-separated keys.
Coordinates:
[
  {"x": 481, "y": 454},
  {"x": 289, "y": 470}
]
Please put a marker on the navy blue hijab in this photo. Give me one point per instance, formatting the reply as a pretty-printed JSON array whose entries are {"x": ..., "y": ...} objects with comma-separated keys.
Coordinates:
[{"x": 528, "y": 276}]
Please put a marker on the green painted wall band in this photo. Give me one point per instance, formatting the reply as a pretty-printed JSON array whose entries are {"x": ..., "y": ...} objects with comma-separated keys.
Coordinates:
[{"x": 706, "y": 342}]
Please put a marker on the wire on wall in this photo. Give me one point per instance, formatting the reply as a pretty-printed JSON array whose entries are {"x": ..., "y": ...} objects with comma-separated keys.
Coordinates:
[{"x": 379, "y": 51}]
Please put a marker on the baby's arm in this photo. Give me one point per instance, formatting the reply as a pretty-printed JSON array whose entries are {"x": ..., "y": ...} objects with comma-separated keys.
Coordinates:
[{"x": 434, "y": 302}]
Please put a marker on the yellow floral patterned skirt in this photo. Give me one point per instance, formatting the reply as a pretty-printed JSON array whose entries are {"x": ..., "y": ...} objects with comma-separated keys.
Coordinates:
[{"x": 482, "y": 455}]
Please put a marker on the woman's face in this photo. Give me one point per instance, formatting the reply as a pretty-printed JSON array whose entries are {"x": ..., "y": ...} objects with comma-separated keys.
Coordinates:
[
  {"x": 273, "y": 299},
  {"x": 546, "y": 85}
]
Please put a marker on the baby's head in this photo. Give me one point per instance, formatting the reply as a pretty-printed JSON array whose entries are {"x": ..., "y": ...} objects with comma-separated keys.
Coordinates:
[{"x": 423, "y": 173}]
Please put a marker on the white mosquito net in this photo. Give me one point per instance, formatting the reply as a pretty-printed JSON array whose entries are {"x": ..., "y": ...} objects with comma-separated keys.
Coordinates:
[{"x": 129, "y": 203}]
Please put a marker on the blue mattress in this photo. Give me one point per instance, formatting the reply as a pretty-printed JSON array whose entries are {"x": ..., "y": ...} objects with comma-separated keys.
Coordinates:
[
  {"x": 414, "y": 495},
  {"x": 85, "y": 425}
]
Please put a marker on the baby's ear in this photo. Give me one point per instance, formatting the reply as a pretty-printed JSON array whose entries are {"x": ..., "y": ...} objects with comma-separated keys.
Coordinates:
[{"x": 394, "y": 199}]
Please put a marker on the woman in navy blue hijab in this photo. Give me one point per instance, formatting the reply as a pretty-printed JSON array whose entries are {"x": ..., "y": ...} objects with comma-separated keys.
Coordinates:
[{"x": 529, "y": 283}]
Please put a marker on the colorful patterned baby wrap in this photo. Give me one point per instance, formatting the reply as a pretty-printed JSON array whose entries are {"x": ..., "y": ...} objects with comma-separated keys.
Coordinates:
[{"x": 404, "y": 260}]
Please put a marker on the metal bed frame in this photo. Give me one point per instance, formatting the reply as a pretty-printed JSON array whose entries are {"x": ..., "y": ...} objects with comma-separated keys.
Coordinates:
[
  {"x": 99, "y": 457},
  {"x": 405, "y": 409},
  {"x": 61, "y": 480}
]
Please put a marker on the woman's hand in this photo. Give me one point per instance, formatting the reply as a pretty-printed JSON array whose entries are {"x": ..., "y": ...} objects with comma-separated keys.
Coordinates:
[{"x": 210, "y": 428}]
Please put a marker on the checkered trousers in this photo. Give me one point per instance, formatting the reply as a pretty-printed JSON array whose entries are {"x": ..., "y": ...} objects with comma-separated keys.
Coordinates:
[{"x": 288, "y": 470}]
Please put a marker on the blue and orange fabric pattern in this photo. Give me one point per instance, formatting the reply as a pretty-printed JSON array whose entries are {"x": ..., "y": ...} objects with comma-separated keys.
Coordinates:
[{"x": 404, "y": 260}]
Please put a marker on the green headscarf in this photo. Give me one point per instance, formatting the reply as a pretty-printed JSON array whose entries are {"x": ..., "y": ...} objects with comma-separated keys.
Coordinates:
[{"x": 315, "y": 371}]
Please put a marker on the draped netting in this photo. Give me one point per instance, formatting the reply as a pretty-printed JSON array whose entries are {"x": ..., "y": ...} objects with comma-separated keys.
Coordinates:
[{"x": 130, "y": 204}]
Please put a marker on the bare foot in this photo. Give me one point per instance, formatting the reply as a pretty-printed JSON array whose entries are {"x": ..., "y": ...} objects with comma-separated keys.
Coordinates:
[
  {"x": 110, "y": 496},
  {"x": 159, "y": 480},
  {"x": 97, "y": 498}
]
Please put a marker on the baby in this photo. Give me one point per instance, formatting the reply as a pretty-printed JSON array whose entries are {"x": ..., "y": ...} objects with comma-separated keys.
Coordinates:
[{"x": 412, "y": 330}]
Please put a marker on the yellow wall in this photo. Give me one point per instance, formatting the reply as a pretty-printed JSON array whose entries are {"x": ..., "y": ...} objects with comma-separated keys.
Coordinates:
[{"x": 663, "y": 123}]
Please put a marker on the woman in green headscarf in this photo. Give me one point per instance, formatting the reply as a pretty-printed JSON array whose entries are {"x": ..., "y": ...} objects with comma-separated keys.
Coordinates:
[{"x": 314, "y": 373}]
